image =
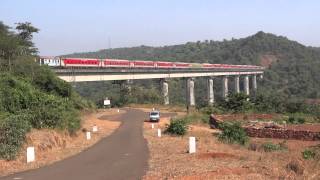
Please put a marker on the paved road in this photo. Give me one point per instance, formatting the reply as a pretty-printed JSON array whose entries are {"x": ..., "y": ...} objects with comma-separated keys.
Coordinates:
[{"x": 122, "y": 155}]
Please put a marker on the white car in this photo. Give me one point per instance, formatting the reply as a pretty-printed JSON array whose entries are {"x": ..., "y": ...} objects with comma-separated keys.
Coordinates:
[{"x": 154, "y": 116}]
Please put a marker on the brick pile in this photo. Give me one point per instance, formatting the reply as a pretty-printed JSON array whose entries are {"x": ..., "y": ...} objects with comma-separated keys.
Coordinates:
[{"x": 282, "y": 133}]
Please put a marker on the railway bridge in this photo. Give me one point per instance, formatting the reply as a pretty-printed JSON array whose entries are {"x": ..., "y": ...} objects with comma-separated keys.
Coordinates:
[{"x": 73, "y": 74}]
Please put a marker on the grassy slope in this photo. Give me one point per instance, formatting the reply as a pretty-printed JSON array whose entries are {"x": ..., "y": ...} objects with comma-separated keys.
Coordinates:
[{"x": 33, "y": 97}]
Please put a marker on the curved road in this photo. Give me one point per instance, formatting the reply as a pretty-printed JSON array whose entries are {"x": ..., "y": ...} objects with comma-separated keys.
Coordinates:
[{"x": 122, "y": 155}]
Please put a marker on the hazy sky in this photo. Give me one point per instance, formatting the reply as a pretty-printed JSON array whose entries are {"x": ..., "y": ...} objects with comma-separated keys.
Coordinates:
[{"x": 68, "y": 26}]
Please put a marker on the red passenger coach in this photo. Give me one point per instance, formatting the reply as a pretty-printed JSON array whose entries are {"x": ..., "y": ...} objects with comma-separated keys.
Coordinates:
[
  {"x": 245, "y": 66},
  {"x": 78, "y": 62},
  {"x": 162, "y": 64},
  {"x": 144, "y": 64},
  {"x": 212, "y": 66},
  {"x": 182, "y": 65},
  {"x": 234, "y": 66},
  {"x": 116, "y": 63}
]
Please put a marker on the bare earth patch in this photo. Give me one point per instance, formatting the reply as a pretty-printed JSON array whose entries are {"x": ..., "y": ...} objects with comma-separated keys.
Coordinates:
[
  {"x": 214, "y": 155},
  {"x": 215, "y": 160},
  {"x": 52, "y": 145}
]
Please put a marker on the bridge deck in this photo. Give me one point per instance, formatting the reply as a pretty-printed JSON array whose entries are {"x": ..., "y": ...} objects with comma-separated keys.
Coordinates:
[
  {"x": 142, "y": 70},
  {"x": 109, "y": 74}
]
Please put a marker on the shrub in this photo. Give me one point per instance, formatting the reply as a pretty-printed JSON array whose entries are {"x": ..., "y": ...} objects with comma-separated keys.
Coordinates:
[
  {"x": 232, "y": 132},
  {"x": 46, "y": 80},
  {"x": 196, "y": 118},
  {"x": 211, "y": 110},
  {"x": 53, "y": 112},
  {"x": 308, "y": 154},
  {"x": 12, "y": 135},
  {"x": 24, "y": 106},
  {"x": 17, "y": 96},
  {"x": 72, "y": 121},
  {"x": 177, "y": 127},
  {"x": 237, "y": 102},
  {"x": 295, "y": 120},
  {"x": 291, "y": 120},
  {"x": 269, "y": 146},
  {"x": 301, "y": 120}
]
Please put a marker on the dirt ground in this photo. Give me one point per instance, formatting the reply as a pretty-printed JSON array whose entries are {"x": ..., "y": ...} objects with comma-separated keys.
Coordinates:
[
  {"x": 169, "y": 158},
  {"x": 52, "y": 145}
]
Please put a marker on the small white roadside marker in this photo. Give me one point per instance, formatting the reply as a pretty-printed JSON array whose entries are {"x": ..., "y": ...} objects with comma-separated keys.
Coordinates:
[
  {"x": 94, "y": 128},
  {"x": 192, "y": 145},
  {"x": 88, "y": 135},
  {"x": 159, "y": 132},
  {"x": 152, "y": 126},
  {"x": 118, "y": 110},
  {"x": 30, "y": 154}
]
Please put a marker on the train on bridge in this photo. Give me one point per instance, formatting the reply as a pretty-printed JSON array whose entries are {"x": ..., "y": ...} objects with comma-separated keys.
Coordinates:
[{"x": 120, "y": 63}]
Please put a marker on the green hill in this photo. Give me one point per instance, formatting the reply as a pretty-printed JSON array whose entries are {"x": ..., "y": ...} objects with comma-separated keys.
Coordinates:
[
  {"x": 292, "y": 68},
  {"x": 31, "y": 96}
]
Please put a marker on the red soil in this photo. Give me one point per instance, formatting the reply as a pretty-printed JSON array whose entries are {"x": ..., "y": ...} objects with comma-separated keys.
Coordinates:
[{"x": 215, "y": 155}]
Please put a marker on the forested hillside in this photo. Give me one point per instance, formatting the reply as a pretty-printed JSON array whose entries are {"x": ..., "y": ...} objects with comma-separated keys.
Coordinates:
[
  {"x": 293, "y": 70},
  {"x": 31, "y": 96}
]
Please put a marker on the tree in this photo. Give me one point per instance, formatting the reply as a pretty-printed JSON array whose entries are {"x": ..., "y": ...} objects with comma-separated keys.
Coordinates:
[
  {"x": 25, "y": 33},
  {"x": 14, "y": 45},
  {"x": 8, "y": 46},
  {"x": 237, "y": 102}
]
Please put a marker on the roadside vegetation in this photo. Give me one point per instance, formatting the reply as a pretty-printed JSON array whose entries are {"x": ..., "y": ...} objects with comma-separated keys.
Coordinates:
[
  {"x": 312, "y": 153},
  {"x": 291, "y": 113},
  {"x": 31, "y": 96},
  {"x": 308, "y": 154},
  {"x": 177, "y": 127},
  {"x": 270, "y": 147},
  {"x": 232, "y": 132}
]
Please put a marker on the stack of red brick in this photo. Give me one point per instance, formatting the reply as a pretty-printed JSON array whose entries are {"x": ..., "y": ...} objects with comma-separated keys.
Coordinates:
[{"x": 281, "y": 133}]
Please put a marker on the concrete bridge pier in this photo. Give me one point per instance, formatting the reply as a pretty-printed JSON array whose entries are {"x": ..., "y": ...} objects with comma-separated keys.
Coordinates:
[
  {"x": 190, "y": 92},
  {"x": 246, "y": 84},
  {"x": 225, "y": 89},
  {"x": 237, "y": 84},
  {"x": 254, "y": 82},
  {"x": 210, "y": 91},
  {"x": 165, "y": 91}
]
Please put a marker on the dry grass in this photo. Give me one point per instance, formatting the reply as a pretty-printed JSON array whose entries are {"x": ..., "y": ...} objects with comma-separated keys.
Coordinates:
[
  {"x": 52, "y": 145},
  {"x": 214, "y": 160}
]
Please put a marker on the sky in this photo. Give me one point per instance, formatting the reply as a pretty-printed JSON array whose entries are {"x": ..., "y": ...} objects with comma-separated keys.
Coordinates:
[{"x": 68, "y": 26}]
